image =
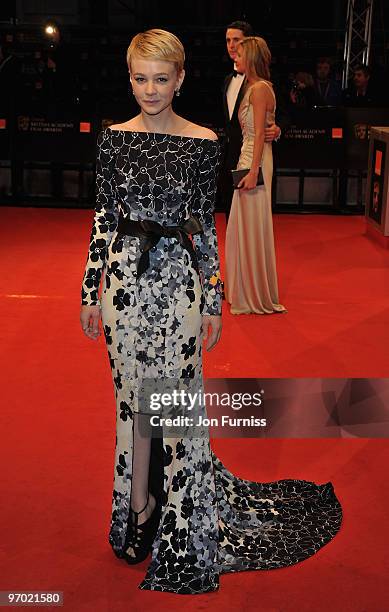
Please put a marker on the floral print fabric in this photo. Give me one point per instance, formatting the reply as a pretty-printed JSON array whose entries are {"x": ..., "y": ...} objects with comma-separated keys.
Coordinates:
[{"x": 212, "y": 522}]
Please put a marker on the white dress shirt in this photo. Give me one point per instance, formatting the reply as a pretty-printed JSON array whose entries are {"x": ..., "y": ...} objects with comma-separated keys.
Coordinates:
[{"x": 233, "y": 90}]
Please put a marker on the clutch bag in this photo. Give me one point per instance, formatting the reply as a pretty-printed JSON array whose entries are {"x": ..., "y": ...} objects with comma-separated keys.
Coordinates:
[{"x": 237, "y": 176}]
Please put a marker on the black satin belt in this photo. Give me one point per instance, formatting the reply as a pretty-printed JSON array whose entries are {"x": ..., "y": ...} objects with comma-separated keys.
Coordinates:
[{"x": 150, "y": 232}]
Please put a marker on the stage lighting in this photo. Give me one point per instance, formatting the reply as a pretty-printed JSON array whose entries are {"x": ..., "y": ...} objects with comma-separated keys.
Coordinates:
[
  {"x": 52, "y": 34},
  {"x": 50, "y": 29}
]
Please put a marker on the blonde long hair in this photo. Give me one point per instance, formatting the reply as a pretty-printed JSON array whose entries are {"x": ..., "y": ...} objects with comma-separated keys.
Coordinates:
[
  {"x": 257, "y": 55},
  {"x": 159, "y": 45}
]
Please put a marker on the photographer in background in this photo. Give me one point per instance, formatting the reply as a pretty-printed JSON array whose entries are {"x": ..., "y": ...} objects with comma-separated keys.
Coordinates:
[{"x": 302, "y": 93}]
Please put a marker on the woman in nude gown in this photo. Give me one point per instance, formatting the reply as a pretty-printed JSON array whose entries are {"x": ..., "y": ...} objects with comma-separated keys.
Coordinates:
[{"x": 251, "y": 278}]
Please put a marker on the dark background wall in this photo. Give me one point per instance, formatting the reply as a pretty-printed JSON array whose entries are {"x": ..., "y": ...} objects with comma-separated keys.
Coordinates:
[
  {"x": 84, "y": 77},
  {"x": 272, "y": 14},
  {"x": 90, "y": 59}
]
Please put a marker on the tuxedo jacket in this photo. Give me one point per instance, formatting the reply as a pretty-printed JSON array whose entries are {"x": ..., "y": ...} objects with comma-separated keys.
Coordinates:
[{"x": 233, "y": 131}]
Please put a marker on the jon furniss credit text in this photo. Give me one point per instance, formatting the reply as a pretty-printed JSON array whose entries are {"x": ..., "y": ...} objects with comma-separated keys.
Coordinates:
[{"x": 224, "y": 420}]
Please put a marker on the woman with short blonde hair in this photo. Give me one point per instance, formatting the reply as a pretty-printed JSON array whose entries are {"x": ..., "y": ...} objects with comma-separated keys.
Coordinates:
[
  {"x": 154, "y": 236},
  {"x": 157, "y": 44}
]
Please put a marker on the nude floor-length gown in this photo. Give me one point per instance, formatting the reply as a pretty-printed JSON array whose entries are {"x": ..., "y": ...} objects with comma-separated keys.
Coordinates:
[{"x": 251, "y": 277}]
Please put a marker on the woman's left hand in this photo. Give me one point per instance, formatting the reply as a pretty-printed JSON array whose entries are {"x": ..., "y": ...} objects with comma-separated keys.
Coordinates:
[
  {"x": 212, "y": 327},
  {"x": 249, "y": 181}
]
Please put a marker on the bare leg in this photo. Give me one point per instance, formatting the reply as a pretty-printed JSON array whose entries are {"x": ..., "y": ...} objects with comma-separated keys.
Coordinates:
[{"x": 140, "y": 468}]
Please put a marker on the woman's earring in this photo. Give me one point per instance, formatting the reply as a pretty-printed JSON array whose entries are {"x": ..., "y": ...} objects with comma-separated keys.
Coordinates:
[{"x": 177, "y": 92}]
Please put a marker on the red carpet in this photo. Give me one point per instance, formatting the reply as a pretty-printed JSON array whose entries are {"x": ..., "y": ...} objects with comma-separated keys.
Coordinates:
[{"x": 59, "y": 424}]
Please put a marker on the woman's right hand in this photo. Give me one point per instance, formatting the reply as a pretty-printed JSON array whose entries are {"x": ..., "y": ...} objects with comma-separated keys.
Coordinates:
[
  {"x": 89, "y": 317},
  {"x": 249, "y": 181}
]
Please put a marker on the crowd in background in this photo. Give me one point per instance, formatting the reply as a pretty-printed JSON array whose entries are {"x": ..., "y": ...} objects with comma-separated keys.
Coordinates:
[
  {"x": 53, "y": 80},
  {"x": 308, "y": 90}
]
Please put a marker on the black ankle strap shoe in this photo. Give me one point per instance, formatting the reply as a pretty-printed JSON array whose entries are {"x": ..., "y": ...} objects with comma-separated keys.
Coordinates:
[{"x": 139, "y": 538}]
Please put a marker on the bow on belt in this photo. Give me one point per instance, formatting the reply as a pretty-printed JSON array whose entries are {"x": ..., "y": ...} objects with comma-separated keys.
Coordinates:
[{"x": 150, "y": 233}]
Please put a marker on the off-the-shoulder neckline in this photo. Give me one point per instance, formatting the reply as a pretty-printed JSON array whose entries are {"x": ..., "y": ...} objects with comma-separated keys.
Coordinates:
[{"x": 164, "y": 134}]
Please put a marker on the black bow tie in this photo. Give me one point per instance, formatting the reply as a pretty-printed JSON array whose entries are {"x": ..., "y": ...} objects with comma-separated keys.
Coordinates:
[{"x": 235, "y": 73}]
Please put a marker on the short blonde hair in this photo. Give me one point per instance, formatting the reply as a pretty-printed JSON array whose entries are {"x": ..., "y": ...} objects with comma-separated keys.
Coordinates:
[
  {"x": 157, "y": 44},
  {"x": 257, "y": 55}
]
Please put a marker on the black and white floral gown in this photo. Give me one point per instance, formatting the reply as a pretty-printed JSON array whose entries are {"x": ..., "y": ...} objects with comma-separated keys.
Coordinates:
[{"x": 212, "y": 522}]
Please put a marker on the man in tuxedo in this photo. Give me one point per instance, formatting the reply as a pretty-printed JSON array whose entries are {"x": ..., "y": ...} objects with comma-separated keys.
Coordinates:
[{"x": 233, "y": 91}]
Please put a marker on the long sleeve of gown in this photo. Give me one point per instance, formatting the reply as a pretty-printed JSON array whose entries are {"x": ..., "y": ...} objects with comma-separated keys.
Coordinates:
[
  {"x": 105, "y": 220},
  {"x": 206, "y": 242}
]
